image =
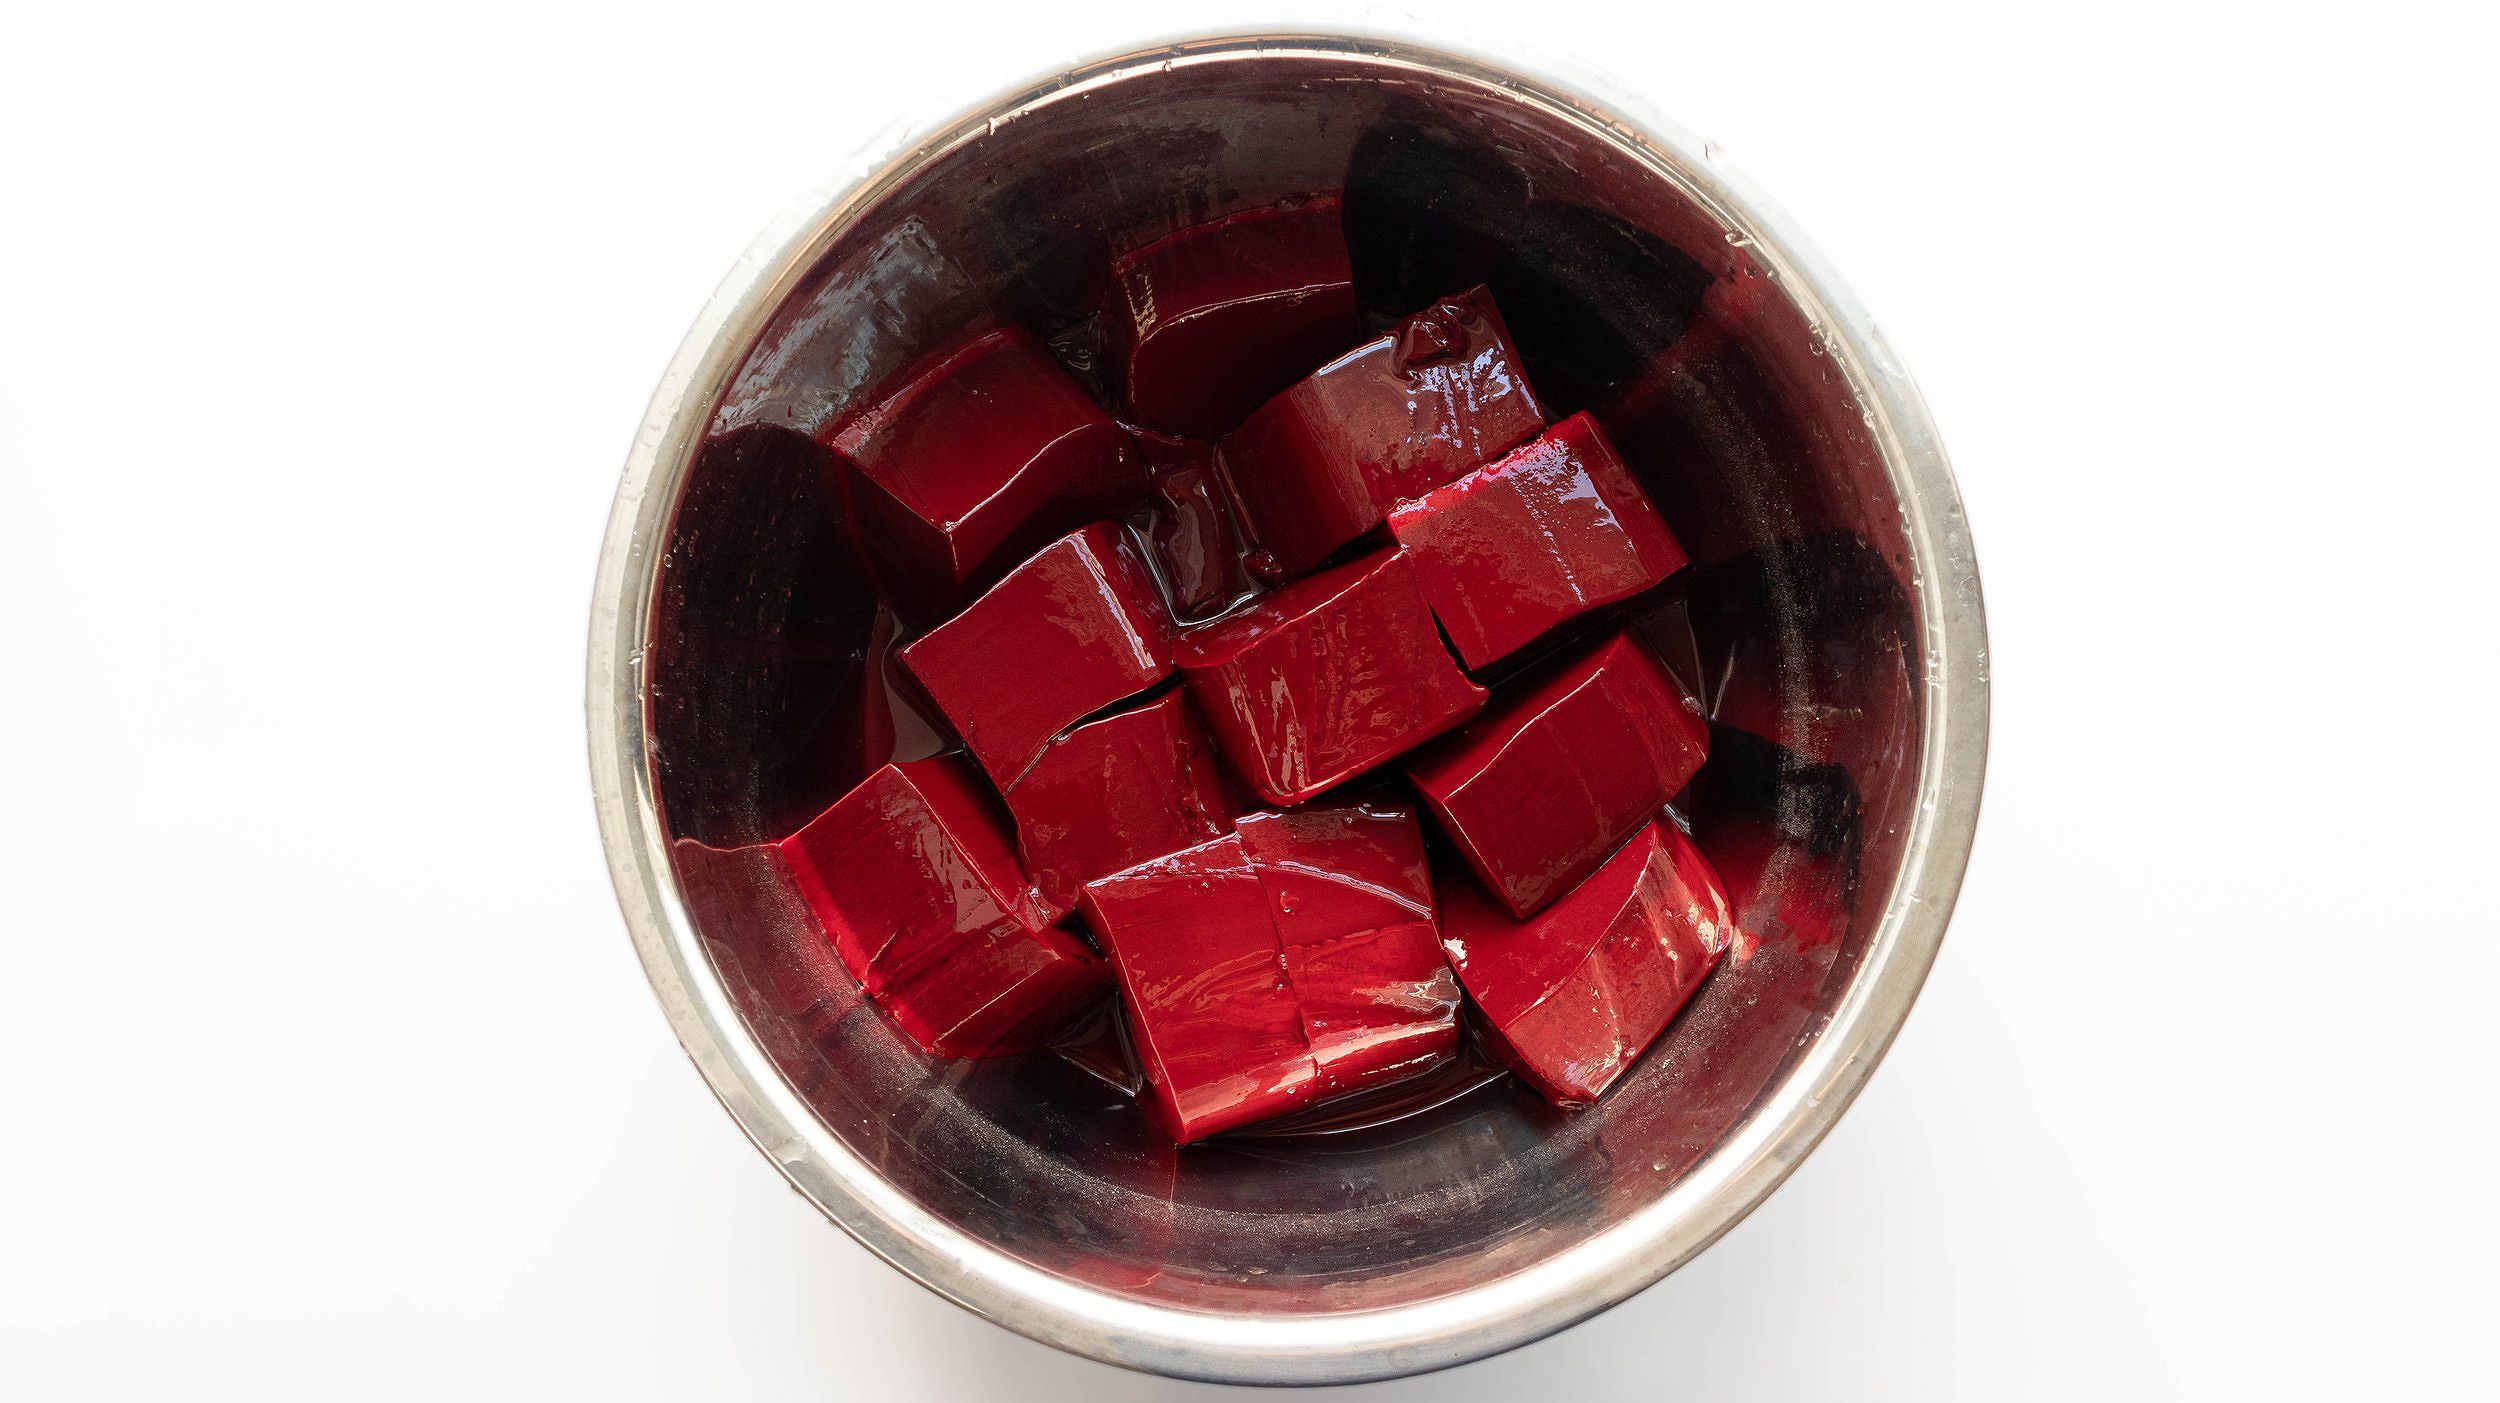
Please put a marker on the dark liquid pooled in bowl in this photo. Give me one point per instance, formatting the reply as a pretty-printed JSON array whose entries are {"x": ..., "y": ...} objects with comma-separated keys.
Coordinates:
[{"x": 775, "y": 685}]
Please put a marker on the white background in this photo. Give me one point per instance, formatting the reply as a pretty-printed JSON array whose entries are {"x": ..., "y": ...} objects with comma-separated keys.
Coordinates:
[{"x": 326, "y": 1070}]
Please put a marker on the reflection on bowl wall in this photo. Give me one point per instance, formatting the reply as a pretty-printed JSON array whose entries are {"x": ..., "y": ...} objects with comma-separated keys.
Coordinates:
[{"x": 1830, "y": 623}]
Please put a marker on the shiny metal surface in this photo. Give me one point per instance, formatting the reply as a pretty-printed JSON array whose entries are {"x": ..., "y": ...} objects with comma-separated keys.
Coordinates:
[{"x": 1491, "y": 1221}]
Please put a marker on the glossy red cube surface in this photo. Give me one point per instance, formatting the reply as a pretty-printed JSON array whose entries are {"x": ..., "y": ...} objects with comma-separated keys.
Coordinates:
[
  {"x": 1071, "y": 631},
  {"x": 1207, "y": 323},
  {"x": 1213, "y": 1016},
  {"x": 1572, "y": 995},
  {"x": 1286, "y": 963},
  {"x": 1546, "y": 784},
  {"x": 1112, "y": 793},
  {"x": 1397, "y": 416},
  {"x": 1325, "y": 678},
  {"x": 986, "y": 452},
  {"x": 1548, "y": 532},
  {"x": 913, "y": 880},
  {"x": 1351, "y": 893}
]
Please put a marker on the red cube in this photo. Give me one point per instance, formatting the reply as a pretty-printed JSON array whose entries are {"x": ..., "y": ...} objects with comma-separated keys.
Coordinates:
[
  {"x": 1067, "y": 633},
  {"x": 1215, "y": 1020},
  {"x": 1208, "y": 323},
  {"x": 1548, "y": 532},
  {"x": 1393, "y": 418},
  {"x": 911, "y": 876},
  {"x": 1542, "y": 788},
  {"x": 1112, "y": 793},
  {"x": 1288, "y": 962},
  {"x": 1325, "y": 678},
  {"x": 1572, "y": 995},
  {"x": 985, "y": 453},
  {"x": 1351, "y": 893}
]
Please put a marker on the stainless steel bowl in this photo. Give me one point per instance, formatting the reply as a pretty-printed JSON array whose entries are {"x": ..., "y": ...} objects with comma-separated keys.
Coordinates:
[{"x": 1019, "y": 1189}]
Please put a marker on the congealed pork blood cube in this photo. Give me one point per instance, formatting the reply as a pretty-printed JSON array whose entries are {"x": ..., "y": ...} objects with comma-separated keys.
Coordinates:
[
  {"x": 1290, "y": 961},
  {"x": 1195, "y": 534},
  {"x": 1207, "y": 323},
  {"x": 913, "y": 881},
  {"x": 1351, "y": 893},
  {"x": 1395, "y": 417},
  {"x": 1215, "y": 1022},
  {"x": 1539, "y": 790},
  {"x": 1546, "y": 533},
  {"x": 1067, "y": 633},
  {"x": 1114, "y": 792},
  {"x": 1325, "y": 678},
  {"x": 1572, "y": 995},
  {"x": 988, "y": 451}
]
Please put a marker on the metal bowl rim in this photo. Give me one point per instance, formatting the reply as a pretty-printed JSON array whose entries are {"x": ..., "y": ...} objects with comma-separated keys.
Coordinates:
[{"x": 1717, "y": 1193}]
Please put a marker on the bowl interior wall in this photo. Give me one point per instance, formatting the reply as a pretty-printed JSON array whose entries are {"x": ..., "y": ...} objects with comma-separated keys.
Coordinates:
[{"x": 1754, "y": 447}]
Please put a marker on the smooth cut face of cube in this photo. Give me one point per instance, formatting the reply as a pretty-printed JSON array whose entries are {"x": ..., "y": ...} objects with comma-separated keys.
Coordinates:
[
  {"x": 1115, "y": 792},
  {"x": 1012, "y": 992},
  {"x": 1546, "y": 533},
  {"x": 1209, "y": 322},
  {"x": 1321, "y": 680},
  {"x": 1215, "y": 1021},
  {"x": 1341, "y": 870},
  {"x": 1291, "y": 961},
  {"x": 988, "y": 451},
  {"x": 1069, "y": 632},
  {"x": 1573, "y": 995},
  {"x": 1546, "y": 784},
  {"x": 1438, "y": 396},
  {"x": 1378, "y": 1006},
  {"x": 1351, "y": 893},
  {"x": 914, "y": 883}
]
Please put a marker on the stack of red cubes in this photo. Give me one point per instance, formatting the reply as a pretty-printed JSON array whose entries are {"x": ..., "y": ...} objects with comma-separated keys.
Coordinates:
[{"x": 1293, "y": 704}]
